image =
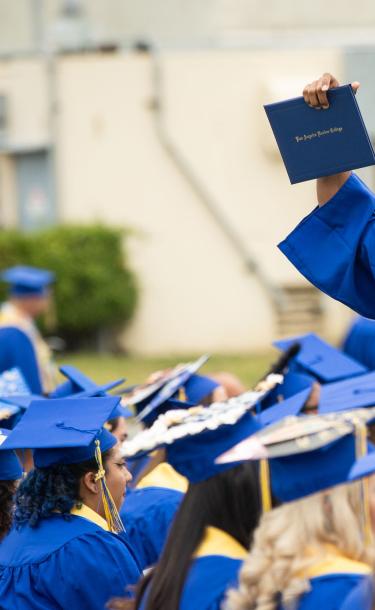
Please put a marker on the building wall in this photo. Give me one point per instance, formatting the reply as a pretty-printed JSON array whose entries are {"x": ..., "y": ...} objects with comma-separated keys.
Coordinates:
[
  {"x": 196, "y": 293},
  {"x": 27, "y": 24}
]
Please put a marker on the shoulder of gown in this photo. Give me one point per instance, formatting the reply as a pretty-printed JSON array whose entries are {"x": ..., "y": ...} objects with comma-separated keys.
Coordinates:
[
  {"x": 334, "y": 247},
  {"x": 361, "y": 597},
  {"x": 330, "y": 591},
  {"x": 147, "y": 514},
  {"x": 66, "y": 563},
  {"x": 208, "y": 580}
]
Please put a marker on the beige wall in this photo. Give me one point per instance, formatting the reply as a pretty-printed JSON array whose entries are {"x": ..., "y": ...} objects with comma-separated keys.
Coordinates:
[{"x": 195, "y": 292}]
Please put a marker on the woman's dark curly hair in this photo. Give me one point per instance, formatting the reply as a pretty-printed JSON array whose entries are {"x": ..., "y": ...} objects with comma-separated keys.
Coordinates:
[
  {"x": 47, "y": 490},
  {"x": 7, "y": 491}
]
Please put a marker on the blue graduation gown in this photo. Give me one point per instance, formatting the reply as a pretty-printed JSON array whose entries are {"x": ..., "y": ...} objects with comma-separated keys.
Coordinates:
[
  {"x": 208, "y": 581},
  {"x": 334, "y": 580},
  {"x": 69, "y": 563},
  {"x": 362, "y": 597},
  {"x": 147, "y": 515},
  {"x": 360, "y": 342},
  {"x": 148, "y": 511},
  {"x": 213, "y": 571},
  {"x": 17, "y": 350},
  {"x": 334, "y": 247}
]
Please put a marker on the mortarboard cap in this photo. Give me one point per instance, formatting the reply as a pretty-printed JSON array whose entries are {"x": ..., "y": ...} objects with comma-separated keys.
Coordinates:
[
  {"x": 292, "y": 384},
  {"x": 307, "y": 454},
  {"x": 291, "y": 406},
  {"x": 194, "y": 456},
  {"x": 13, "y": 407},
  {"x": 363, "y": 467},
  {"x": 79, "y": 385},
  {"x": 320, "y": 359},
  {"x": 198, "y": 387},
  {"x": 171, "y": 404},
  {"x": 64, "y": 431},
  {"x": 300, "y": 475},
  {"x": 77, "y": 382},
  {"x": 27, "y": 281},
  {"x": 193, "y": 438},
  {"x": 148, "y": 410},
  {"x": 354, "y": 393},
  {"x": 10, "y": 467}
]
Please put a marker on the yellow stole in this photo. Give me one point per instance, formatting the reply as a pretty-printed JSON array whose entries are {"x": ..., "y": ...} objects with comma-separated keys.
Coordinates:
[
  {"x": 218, "y": 542},
  {"x": 11, "y": 316},
  {"x": 334, "y": 562},
  {"x": 164, "y": 476},
  {"x": 87, "y": 513}
]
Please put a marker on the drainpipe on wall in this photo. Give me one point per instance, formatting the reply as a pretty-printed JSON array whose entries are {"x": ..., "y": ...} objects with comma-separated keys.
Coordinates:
[{"x": 197, "y": 185}]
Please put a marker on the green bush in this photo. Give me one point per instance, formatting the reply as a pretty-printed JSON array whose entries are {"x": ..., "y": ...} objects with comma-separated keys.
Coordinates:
[{"x": 95, "y": 290}]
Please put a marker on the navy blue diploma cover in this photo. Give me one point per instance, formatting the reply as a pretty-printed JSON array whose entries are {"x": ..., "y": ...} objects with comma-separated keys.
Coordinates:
[{"x": 315, "y": 143}]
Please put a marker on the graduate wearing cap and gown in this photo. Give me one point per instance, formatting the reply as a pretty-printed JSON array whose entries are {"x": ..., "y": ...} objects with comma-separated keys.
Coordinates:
[
  {"x": 336, "y": 552},
  {"x": 212, "y": 529},
  {"x": 65, "y": 550},
  {"x": 314, "y": 362},
  {"x": 149, "y": 509},
  {"x": 334, "y": 246},
  {"x": 21, "y": 344},
  {"x": 79, "y": 385},
  {"x": 10, "y": 473}
]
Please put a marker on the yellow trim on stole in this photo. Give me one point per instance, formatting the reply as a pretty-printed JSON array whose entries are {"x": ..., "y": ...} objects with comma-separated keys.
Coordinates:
[
  {"x": 164, "y": 476},
  {"x": 87, "y": 513},
  {"x": 218, "y": 542},
  {"x": 335, "y": 563}
]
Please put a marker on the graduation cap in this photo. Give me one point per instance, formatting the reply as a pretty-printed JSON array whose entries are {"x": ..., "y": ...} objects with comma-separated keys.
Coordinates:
[
  {"x": 293, "y": 383},
  {"x": 198, "y": 387},
  {"x": 10, "y": 467},
  {"x": 194, "y": 388},
  {"x": 13, "y": 407},
  {"x": 320, "y": 359},
  {"x": 194, "y": 456},
  {"x": 193, "y": 438},
  {"x": 69, "y": 431},
  {"x": 63, "y": 431},
  {"x": 27, "y": 281},
  {"x": 363, "y": 467},
  {"x": 307, "y": 454},
  {"x": 291, "y": 406},
  {"x": 357, "y": 392},
  {"x": 79, "y": 385},
  {"x": 300, "y": 475}
]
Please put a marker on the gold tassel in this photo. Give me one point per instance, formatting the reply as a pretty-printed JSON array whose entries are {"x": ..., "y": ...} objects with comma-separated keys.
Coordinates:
[
  {"x": 182, "y": 394},
  {"x": 361, "y": 450},
  {"x": 111, "y": 513},
  {"x": 265, "y": 487}
]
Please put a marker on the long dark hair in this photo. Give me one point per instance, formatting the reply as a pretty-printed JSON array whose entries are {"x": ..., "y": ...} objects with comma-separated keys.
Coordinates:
[
  {"x": 229, "y": 501},
  {"x": 7, "y": 491},
  {"x": 47, "y": 490}
]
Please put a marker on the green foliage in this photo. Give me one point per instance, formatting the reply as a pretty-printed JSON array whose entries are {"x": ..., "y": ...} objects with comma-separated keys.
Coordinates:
[{"x": 94, "y": 289}]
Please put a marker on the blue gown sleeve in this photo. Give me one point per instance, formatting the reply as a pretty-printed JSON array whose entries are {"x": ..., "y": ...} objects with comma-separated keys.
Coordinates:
[
  {"x": 360, "y": 598},
  {"x": 90, "y": 570},
  {"x": 334, "y": 247},
  {"x": 360, "y": 342},
  {"x": 16, "y": 350}
]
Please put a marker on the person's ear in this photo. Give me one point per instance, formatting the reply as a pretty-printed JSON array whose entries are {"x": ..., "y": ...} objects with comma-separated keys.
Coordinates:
[{"x": 89, "y": 482}]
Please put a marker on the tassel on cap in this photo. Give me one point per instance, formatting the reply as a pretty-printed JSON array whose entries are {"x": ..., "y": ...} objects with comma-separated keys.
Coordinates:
[
  {"x": 265, "y": 487},
  {"x": 111, "y": 513}
]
